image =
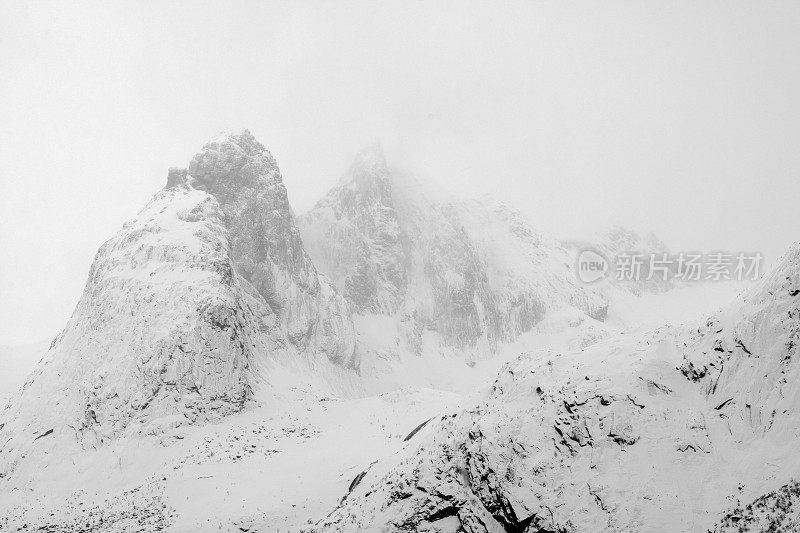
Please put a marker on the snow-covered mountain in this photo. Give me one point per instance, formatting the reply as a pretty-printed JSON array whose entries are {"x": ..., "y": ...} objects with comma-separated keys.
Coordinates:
[
  {"x": 230, "y": 367},
  {"x": 674, "y": 430},
  {"x": 472, "y": 273},
  {"x": 183, "y": 311},
  {"x": 209, "y": 291}
]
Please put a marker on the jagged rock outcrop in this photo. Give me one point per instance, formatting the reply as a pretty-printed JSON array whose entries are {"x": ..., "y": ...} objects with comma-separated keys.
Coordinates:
[
  {"x": 778, "y": 511},
  {"x": 475, "y": 273},
  {"x": 662, "y": 432},
  {"x": 181, "y": 311},
  {"x": 265, "y": 244}
]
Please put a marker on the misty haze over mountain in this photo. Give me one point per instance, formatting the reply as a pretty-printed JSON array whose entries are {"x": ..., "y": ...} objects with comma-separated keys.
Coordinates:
[
  {"x": 402, "y": 267},
  {"x": 663, "y": 118}
]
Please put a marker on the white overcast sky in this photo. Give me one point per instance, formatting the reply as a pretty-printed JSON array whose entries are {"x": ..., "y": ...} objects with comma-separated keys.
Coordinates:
[{"x": 678, "y": 117}]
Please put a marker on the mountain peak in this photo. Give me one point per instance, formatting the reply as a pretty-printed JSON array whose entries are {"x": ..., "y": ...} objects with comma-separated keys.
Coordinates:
[
  {"x": 245, "y": 140},
  {"x": 214, "y": 280},
  {"x": 369, "y": 165},
  {"x": 229, "y": 159}
]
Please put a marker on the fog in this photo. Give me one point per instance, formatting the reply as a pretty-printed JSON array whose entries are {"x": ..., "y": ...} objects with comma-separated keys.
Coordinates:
[{"x": 680, "y": 118}]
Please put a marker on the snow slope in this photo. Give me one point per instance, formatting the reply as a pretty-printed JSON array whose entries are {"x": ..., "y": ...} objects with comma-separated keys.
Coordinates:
[
  {"x": 280, "y": 465},
  {"x": 664, "y": 431},
  {"x": 271, "y": 468}
]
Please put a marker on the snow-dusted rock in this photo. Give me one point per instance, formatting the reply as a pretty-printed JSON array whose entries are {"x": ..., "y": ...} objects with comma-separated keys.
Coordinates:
[
  {"x": 777, "y": 511},
  {"x": 265, "y": 245},
  {"x": 473, "y": 273},
  {"x": 354, "y": 235},
  {"x": 663, "y": 432},
  {"x": 746, "y": 357},
  {"x": 182, "y": 310}
]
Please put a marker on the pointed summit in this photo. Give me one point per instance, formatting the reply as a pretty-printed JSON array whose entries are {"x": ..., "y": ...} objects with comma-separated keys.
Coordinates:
[
  {"x": 368, "y": 166},
  {"x": 353, "y": 235},
  {"x": 473, "y": 274}
]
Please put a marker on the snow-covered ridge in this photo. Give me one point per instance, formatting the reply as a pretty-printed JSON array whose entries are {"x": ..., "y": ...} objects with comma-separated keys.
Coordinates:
[
  {"x": 190, "y": 307},
  {"x": 745, "y": 358},
  {"x": 668, "y": 431}
]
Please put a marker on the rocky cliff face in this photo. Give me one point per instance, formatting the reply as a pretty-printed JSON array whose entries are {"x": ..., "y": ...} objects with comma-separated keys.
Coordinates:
[
  {"x": 745, "y": 359},
  {"x": 265, "y": 244},
  {"x": 663, "y": 432},
  {"x": 182, "y": 309},
  {"x": 474, "y": 273},
  {"x": 354, "y": 236}
]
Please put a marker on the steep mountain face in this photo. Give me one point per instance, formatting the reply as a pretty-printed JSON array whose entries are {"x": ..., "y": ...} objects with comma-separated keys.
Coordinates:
[
  {"x": 746, "y": 358},
  {"x": 474, "y": 273},
  {"x": 182, "y": 310},
  {"x": 664, "y": 432},
  {"x": 354, "y": 235},
  {"x": 265, "y": 245}
]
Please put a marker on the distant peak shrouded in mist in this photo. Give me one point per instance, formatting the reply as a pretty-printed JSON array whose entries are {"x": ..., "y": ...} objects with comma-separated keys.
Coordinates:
[
  {"x": 369, "y": 166},
  {"x": 393, "y": 247}
]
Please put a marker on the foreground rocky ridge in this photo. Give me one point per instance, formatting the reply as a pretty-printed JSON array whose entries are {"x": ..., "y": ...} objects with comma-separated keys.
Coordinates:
[{"x": 660, "y": 433}]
